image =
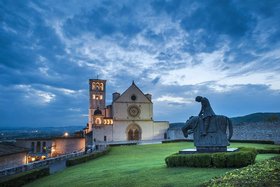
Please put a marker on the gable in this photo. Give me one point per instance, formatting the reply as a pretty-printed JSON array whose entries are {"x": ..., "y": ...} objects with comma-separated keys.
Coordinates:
[{"x": 133, "y": 90}]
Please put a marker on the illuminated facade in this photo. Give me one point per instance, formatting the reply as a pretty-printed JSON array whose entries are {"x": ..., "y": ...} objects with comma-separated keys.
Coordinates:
[
  {"x": 128, "y": 118},
  {"x": 42, "y": 148}
]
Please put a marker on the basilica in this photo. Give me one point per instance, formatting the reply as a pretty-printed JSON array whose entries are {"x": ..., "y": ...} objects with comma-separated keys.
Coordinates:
[{"x": 128, "y": 118}]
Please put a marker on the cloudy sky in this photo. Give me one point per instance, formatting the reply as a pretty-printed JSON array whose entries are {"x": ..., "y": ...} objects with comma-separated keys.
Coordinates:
[{"x": 227, "y": 51}]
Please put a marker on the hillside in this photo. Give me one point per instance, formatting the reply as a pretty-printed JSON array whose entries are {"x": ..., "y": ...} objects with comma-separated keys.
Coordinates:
[
  {"x": 251, "y": 118},
  {"x": 257, "y": 117}
]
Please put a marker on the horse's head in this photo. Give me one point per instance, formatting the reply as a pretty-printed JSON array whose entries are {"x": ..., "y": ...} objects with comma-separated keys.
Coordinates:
[{"x": 190, "y": 125}]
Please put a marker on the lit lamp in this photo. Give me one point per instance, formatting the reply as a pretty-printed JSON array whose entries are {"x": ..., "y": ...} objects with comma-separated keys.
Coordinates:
[{"x": 66, "y": 134}]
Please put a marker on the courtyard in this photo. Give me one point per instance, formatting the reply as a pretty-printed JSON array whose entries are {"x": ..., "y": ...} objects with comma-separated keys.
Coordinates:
[{"x": 139, "y": 165}]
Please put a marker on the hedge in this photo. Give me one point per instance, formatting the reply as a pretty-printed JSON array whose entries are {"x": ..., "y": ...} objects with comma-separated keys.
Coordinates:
[
  {"x": 233, "y": 141},
  {"x": 254, "y": 141},
  {"x": 241, "y": 158},
  {"x": 272, "y": 150},
  {"x": 85, "y": 158},
  {"x": 264, "y": 173},
  {"x": 25, "y": 177},
  {"x": 176, "y": 140}
]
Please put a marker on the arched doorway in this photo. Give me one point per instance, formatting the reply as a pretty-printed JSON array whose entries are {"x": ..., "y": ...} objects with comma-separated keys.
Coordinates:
[{"x": 134, "y": 132}]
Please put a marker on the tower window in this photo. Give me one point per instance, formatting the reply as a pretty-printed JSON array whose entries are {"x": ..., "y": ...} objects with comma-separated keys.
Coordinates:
[
  {"x": 98, "y": 121},
  {"x": 105, "y": 138},
  {"x": 97, "y": 97}
]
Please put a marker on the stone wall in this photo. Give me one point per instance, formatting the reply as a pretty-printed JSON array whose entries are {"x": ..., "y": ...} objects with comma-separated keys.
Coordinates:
[
  {"x": 160, "y": 128},
  {"x": 243, "y": 131},
  {"x": 68, "y": 145},
  {"x": 33, "y": 165},
  {"x": 175, "y": 133},
  {"x": 13, "y": 160},
  {"x": 257, "y": 131}
]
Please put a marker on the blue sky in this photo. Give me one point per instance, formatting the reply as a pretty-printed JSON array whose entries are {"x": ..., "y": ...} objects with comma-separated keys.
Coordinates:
[{"x": 228, "y": 51}]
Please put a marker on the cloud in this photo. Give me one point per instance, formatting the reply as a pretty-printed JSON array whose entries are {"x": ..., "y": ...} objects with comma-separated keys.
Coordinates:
[
  {"x": 227, "y": 51},
  {"x": 212, "y": 69},
  {"x": 35, "y": 96},
  {"x": 173, "y": 99}
]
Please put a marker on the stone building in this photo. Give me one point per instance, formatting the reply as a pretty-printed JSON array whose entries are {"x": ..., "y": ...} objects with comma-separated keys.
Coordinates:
[
  {"x": 175, "y": 132},
  {"x": 41, "y": 148},
  {"x": 128, "y": 118},
  {"x": 12, "y": 156}
]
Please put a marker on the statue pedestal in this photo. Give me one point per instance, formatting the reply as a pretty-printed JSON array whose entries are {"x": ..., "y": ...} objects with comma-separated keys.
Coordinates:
[
  {"x": 211, "y": 149},
  {"x": 192, "y": 151}
]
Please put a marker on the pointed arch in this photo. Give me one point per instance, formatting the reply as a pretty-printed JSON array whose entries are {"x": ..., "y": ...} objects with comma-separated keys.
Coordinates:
[{"x": 134, "y": 132}]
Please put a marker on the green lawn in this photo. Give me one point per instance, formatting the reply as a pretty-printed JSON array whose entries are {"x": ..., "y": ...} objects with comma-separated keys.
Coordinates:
[{"x": 141, "y": 165}]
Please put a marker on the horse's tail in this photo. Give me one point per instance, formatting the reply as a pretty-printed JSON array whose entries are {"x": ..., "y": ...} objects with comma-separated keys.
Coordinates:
[{"x": 230, "y": 128}]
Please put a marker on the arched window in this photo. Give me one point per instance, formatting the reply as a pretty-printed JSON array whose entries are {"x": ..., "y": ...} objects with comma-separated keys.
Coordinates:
[
  {"x": 101, "y": 86},
  {"x": 38, "y": 147},
  {"x": 98, "y": 121},
  {"x": 93, "y": 86},
  {"x": 97, "y": 86}
]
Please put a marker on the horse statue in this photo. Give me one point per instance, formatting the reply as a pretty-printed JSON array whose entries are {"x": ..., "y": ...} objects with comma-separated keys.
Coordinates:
[{"x": 216, "y": 139}]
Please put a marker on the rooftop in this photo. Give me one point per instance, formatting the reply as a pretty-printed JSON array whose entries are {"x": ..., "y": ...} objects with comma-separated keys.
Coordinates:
[{"x": 7, "y": 149}]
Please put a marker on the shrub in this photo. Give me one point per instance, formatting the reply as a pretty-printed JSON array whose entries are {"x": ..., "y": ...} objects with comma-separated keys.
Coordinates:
[
  {"x": 264, "y": 173},
  {"x": 269, "y": 151},
  {"x": 85, "y": 158},
  {"x": 25, "y": 177},
  {"x": 254, "y": 141},
  {"x": 219, "y": 160},
  {"x": 241, "y": 158},
  {"x": 176, "y": 140}
]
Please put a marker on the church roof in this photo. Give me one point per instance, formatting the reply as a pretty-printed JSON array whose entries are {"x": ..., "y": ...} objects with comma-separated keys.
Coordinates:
[
  {"x": 134, "y": 89},
  {"x": 6, "y": 149}
]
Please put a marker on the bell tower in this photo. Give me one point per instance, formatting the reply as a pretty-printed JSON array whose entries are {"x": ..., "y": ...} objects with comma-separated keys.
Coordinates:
[{"x": 97, "y": 93}]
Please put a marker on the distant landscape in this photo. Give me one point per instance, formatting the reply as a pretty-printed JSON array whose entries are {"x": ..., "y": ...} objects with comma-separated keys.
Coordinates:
[
  {"x": 32, "y": 132},
  {"x": 257, "y": 117},
  {"x": 250, "y": 118},
  {"x": 7, "y": 134}
]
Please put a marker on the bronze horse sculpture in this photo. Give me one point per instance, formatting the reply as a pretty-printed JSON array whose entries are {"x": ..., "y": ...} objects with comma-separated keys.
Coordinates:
[{"x": 216, "y": 139}]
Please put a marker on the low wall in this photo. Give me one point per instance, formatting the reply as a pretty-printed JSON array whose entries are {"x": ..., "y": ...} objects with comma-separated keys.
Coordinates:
[
  {"x": 34, "y": 165},
  {"x": 16, "y": 159},
  {"x": 257, "y": 131},
  {"x": 242, "y": 131}
]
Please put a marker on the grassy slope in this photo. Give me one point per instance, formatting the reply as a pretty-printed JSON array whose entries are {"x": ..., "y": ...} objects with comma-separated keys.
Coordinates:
[{"x": 136, "y": 166}]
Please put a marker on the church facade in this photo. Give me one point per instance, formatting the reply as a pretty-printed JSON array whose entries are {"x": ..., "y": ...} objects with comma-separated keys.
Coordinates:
[{"x": 128, "y": 118}]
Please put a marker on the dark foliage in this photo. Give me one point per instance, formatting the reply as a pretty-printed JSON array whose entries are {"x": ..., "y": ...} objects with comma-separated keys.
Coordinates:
[
  {"x": 25, "y": 177},
  {"x": 85, "y": 158},
  {"x": 264, "y": 173},
  {"x": 253, "y": 141},
  {"x": 177, "y": 140},
  {"x": 241, "y": 158}
]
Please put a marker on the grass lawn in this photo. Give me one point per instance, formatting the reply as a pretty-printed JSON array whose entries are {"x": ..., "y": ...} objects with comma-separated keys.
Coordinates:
[{"x": 141, "y": 165}]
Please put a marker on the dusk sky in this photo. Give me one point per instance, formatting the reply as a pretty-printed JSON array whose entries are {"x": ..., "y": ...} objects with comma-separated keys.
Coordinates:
[{"x": 227, "y": 51}]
